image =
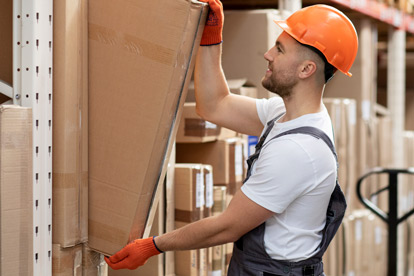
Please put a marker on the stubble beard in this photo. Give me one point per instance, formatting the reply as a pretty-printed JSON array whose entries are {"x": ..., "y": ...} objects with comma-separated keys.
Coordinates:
[{"x": 279, "y": 86}]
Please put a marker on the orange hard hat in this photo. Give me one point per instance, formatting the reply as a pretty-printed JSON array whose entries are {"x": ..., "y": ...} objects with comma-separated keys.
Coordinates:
[{"x": 328, "y": 30}]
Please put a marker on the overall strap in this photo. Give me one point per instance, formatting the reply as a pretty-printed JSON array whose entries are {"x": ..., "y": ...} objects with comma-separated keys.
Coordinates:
[
  {"x": 313, "y": 131},
  {"x": 259, "y": 145},
  {"x": 269, "y": 127}
]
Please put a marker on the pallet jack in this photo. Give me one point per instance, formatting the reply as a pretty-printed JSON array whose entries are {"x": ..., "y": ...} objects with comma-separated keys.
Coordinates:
[{"x": 391, "y": 218}]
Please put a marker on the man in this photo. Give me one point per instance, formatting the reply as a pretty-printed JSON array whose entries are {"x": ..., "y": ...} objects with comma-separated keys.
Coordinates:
[{"x": 290, "y": 205}]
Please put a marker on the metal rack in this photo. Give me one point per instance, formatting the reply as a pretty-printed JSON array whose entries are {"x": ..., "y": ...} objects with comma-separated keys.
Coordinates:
[{"x": 32, "y": 87}]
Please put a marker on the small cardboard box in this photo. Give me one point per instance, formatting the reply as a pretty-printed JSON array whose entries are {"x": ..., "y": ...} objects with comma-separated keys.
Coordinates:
[
  {"x": 194, "y": 129},
  {"x": 189, "y": 192},
  {"x": 16, "y": 193},
  {"x": 141, "y": 56}
]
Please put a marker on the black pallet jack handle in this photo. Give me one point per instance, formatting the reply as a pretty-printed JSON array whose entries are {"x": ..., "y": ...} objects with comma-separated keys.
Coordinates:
[{"x": 391, "y": 218}]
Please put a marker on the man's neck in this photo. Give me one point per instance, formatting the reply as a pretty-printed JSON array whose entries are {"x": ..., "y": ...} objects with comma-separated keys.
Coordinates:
[{"x": 299, "y": 104}]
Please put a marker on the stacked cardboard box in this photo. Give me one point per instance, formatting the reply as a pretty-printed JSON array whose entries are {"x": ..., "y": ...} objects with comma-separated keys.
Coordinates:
[
  {"x": 190, "y": 202},
  {"x": 70, "y": 143},
  {"x": 226, "y": 157},
  {"x": 16, "y": 197}
]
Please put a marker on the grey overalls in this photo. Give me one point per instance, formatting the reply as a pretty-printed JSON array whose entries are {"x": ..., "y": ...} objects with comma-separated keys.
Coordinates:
[{"x": 249, "y": 255}]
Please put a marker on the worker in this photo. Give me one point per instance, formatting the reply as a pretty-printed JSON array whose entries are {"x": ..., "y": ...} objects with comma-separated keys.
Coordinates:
[{"x": 290, "y": 204}]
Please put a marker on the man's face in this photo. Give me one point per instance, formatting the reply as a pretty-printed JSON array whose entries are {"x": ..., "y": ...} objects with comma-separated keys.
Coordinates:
[{"x": 283, "y": 59}]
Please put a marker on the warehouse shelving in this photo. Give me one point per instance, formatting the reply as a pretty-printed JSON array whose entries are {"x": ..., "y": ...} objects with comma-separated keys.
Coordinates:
[{"x": 32, "y": 87}]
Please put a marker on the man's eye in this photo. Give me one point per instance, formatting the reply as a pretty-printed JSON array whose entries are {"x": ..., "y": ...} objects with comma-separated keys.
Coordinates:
[{"x": 278, "y": 49}]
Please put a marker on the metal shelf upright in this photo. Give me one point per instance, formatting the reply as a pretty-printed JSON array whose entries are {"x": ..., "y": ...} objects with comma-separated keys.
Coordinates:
[{"x": 32, "y": 87}]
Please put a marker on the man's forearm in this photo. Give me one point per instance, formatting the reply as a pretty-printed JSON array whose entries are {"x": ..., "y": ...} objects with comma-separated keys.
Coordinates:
[
  {"x": 210, "y": 83},
  {"x": 201, "y": 234}
]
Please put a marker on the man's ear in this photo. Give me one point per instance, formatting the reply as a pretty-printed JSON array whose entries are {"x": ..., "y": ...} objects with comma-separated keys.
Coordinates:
[{"x": 308, "y": 68}]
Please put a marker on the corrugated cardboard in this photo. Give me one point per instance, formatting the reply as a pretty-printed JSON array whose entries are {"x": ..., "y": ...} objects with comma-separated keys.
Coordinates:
[
  {"x": 70, "y": 123},
  {"x": 252, "y": 33},
  {"x": 189, "y": 192},
  {"x": 6, "y": 49},
  {"x": 16, "y": 196},
  {"x": 140, "y": 62},
  {"x": 67, "y": 261},
  {"x": 194, "y": 129}
]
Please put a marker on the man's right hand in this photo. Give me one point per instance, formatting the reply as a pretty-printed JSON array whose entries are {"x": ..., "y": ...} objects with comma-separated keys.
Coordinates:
[{"x": 213, "y": 29}]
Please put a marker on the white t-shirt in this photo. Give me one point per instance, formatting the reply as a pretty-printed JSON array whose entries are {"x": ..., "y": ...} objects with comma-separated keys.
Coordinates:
[{"x": 294, "y": 177}]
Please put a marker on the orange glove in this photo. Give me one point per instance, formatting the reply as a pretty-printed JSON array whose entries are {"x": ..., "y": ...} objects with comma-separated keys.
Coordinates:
[
  {"x": 134, "y": 254},
  {"x": 212, "y": 34}
]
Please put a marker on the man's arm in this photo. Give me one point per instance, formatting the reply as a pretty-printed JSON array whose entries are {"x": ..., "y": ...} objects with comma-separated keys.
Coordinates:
[
  {"x": 241, "y": 216},
  {"x": 215, "y": 103}
]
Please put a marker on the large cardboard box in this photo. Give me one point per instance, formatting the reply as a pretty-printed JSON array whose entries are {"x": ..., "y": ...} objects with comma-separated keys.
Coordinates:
[
  {"x": 141, "y": 55},
  {"x": 155, "y": 265},
  {"x": 70, "y": 123},
  {"x": 252, "y": 33},
  {"x": 16, "y": 196}
]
